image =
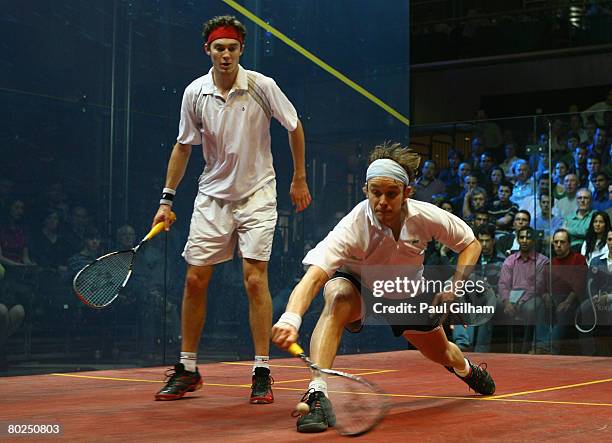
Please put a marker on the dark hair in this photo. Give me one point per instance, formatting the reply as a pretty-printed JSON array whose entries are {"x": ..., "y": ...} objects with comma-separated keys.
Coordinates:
[
  {"x": 497, "y": 168},
  {"x": 444, "y": 199},
  {"x": 530, "y": 231},
  {"x": 523, "y": 211},
  {"x": 486, "y": 229},
  {"x": 453, "y": 153},
  {"x": 569, "y": 236},
  {"x": 488, "y": 153},
  {"x": 507, "y": 184},
  {"x": 591, "y": 238},
  {"x": 594, "y": 157},
  {"x": 223, "y": 20}
]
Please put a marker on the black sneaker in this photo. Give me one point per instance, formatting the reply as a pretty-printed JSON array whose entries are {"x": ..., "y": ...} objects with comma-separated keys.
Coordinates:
[
  {"x": 479, "y": 380},
  {"x": 179, "y": 382},
  {"x": 261, "y": 389},
  {"x": 321, "y": 415}
]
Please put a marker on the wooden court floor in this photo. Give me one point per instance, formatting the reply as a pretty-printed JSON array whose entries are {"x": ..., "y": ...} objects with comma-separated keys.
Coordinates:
[{"x": 538, "y": 398}]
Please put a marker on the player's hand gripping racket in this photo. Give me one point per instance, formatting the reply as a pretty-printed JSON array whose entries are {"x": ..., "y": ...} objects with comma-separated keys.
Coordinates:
[
  {"x": 358, "y": 404},
  {"x": 98, "y": 284}
]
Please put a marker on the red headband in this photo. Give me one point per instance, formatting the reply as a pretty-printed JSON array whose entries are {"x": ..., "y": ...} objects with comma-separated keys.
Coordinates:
[{"x": 224, "y": 32}]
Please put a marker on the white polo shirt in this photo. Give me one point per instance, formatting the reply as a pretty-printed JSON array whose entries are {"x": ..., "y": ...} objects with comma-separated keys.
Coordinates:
[
  {"x": 360, "y": 240},
  {"x": 234, "y": 134}
]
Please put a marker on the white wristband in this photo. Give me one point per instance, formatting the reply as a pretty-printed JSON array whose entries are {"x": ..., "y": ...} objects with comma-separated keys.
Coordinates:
[{"x": 291, "y": 319}]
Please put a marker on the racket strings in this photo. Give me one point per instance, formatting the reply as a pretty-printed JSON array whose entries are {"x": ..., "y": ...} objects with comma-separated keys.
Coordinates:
[
  {"x": 358, "y": 406},
  {"x": 99, "y": 283}
]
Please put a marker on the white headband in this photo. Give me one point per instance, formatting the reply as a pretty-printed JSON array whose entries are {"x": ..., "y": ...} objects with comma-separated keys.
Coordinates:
[{"x": 386, "y": 167}]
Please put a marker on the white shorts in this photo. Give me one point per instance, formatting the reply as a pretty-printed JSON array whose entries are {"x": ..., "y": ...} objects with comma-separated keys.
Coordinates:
[{"x": 216, "y": 224}]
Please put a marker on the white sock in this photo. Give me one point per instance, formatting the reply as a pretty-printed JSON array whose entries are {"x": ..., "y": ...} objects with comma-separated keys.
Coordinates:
[
  {"x": 261, "y": 361},
  {"x": 318, "y": 384},
  {"x": 465, "y": 371},
  {"x": 189, "y": 360}
]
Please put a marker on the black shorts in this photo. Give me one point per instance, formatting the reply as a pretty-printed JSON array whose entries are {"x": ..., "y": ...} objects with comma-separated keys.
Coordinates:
[{"x": 426, "y": 324}]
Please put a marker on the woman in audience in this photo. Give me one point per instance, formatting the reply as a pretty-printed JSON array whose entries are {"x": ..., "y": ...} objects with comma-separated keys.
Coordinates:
[
  {"x": 496, "y": 178},
  {"x": 595, "y": 240}
]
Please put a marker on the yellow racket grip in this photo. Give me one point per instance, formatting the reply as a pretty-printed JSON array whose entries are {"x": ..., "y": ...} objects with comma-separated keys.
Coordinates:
[
  {"x": 295, "y": 350},
  {"x": 159, "y": 227}
]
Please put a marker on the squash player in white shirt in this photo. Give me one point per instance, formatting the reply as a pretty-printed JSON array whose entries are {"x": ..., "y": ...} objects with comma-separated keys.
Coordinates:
[
  {"x": 385, "y": 230},
  {"x": 228, "y": 111}
]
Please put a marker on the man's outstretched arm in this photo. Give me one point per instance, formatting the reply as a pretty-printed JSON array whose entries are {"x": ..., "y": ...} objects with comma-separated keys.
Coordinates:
[{"x": 285, "y": 331}]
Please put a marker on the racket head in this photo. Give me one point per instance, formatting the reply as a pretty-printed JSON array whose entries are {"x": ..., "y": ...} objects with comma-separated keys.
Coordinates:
[
  {"x": 359, "y": 405},
  {"x": 98, "y": 284}
]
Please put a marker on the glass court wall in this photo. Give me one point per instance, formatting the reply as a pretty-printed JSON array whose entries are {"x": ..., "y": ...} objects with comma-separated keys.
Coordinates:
[{"x": 92, "y": 93}]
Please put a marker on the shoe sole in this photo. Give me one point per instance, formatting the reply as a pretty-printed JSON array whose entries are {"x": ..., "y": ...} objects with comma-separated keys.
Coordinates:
[
  {"x": 169, "y": 397},
  {"x": 261, "y": 401},
  {"x": 312, "y": 428}
]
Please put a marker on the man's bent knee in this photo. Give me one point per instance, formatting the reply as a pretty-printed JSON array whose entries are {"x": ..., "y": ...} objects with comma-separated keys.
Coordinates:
[{"x": 342, "y": 296}]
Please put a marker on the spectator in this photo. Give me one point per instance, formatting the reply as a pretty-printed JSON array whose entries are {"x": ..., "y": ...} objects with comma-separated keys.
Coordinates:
[
  {"x": 539, "y": 159},
  {"x": 596, "y": 111},
  {"x": 90, "y": 250},
  {"x": 481, "y": 218},
  {"x": 508, "y": 163},
  {"x": 446, "y": 205},
  {"x": 561, "y": 170},
  {"x": 74, "y": 232},
  {"x": 474, "y": 200},
  {"x": 524, "y": 187},
  {"x": 578, "y": 223},
  {"x": 568, "y": 284},
  {"x": 485, "y": 165},
  {"x": 601, "y": 202},
  {"x": 478, "y": 148},
  {"x": 608, "y": 162},
  {"x": 594, "y": 244},
  {"x": 522, "y": 288},
  {"x": 568, "y": 205},
  {"x": 557, "y": 134},
  {"x": 13, "y": 240},
  {"x": 545, "y": 221},
  {"x": 544, "y": 185},
  {"x": 502, "y": 211},
  {"x": 48, "y": 248},
  {"x": 590, "y": 128},
  {"x": 609, "y": 210},
  {"x": 427, "y": 185},
  {"x": 496, "y": 178},
  {"x": 576, "y": 129},
  {"x": 487, "y": 269},
  {"x": 463, "y": 171},
  {"x": 596, "y": 310},
  {"x": 450, "y": 175},
  {"x": 489, "y": 131},
  {"x": 593, "y": 168},
  {"x": 509, "y": 243},
  {"x": 54, "y": 200},
  {"x": 11, "y": 318},
  {"x": 470, "y": 182},
  {"x": 579, "y": 165}
]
